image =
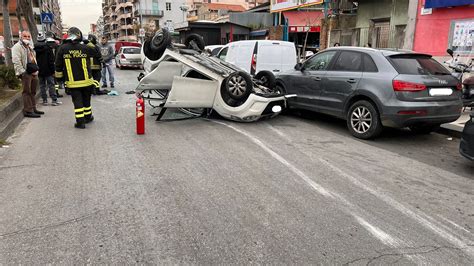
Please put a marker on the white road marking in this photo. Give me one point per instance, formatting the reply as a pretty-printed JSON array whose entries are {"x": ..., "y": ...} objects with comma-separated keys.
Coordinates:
[
  {"x": 455, "y": 224},
  {"x": 347, "y": 206},
  {"x": 433, "y": 225}
]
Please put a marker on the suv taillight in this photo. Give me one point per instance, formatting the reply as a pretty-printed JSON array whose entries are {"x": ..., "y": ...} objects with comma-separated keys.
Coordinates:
[
  {"x": 122, "y": 56},
  {"x": 459, "y": 86},
  {"x": 399, "y": 85}
]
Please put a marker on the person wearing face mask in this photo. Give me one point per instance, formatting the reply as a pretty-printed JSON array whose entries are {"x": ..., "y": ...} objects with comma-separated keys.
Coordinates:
[{"x": 26, "y": 68}]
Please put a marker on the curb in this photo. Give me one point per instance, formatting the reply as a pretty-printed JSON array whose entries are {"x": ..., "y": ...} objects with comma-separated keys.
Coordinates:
[
  {"x": 451, "y": 130},
  {"x": 11, "y": 115}
]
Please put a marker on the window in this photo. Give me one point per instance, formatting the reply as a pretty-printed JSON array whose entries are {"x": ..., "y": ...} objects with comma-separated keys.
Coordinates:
[
  {"x": 417, "y": 65},
  {"x": 131, "y": 51},
  {"x": 320, "y": 61},
  {"x": 348, "y": 61},
  {"x": 168, "y": 6},
  {"x": 369, "y": 64},
  {"x": 223, "y": 54},
  {"x": 382, "y": 32},
  {"x": 154, "y": 5}
]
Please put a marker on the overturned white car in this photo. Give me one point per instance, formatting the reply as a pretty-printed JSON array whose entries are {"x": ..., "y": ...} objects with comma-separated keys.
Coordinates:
[{"x": 181, "y": 76}]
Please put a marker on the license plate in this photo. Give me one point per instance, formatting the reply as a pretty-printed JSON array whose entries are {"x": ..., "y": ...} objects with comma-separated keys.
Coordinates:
[{"x": 441, "y": 91}]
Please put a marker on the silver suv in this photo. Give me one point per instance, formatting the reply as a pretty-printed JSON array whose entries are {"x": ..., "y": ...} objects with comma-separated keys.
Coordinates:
[{"x": 373, "y": 88}]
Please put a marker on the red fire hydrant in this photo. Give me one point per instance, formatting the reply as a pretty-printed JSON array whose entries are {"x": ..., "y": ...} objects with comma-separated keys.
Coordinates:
[{"x": 140, "y": 116}]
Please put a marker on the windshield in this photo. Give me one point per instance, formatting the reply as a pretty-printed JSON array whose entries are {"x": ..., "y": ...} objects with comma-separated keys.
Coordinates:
[
  {"x": 131, "y": 50},
  {"x": 417, "y": 65}
]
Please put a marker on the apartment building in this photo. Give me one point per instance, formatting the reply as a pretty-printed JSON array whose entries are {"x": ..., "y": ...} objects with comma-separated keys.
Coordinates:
[{"x": 124, "y": 18}]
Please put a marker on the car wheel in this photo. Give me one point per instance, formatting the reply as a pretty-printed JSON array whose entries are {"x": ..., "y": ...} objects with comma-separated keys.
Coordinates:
[
  {"x": 423, "y": 129},
  {"x": 238, "y": 85},
  {"x": 154, "y": 48},
  {"x": 195, "y": 41},
  {"x": 363, "y": 120},
  {"x": 266, "y": 78}
]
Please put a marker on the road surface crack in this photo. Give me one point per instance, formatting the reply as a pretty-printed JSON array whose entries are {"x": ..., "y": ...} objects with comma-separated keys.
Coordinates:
[
  {"x": 49, "y": 226},
  {"x": 402, "y": 253}
]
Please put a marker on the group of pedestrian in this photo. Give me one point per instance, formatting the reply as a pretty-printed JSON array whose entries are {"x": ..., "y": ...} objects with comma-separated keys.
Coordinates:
[{"x": 76, "y": 64}]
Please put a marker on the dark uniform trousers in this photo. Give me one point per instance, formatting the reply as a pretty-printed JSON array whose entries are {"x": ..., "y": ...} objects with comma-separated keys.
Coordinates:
[{"x": 81, "y": 98}]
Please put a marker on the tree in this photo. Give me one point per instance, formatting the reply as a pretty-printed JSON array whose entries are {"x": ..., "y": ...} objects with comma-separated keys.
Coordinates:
[
  {"x": 7, "y": 32},
  {"x": 18, "y": 15},
  {"x": 27, "y": 10}
]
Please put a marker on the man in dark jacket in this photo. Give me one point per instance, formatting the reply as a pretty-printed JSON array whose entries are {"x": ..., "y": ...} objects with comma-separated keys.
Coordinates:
[
  {"x": 96, "y": 63},
  {"x": 45, "y": 59}
]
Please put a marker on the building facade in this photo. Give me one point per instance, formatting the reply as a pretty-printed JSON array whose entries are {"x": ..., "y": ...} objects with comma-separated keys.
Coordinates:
[
  {"x": 444, "y": 24},
  {"x": 124, "y": 18},
  {"x": 49, "y": 6}
]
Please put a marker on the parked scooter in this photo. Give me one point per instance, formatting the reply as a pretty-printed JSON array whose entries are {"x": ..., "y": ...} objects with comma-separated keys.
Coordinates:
[{"x": 468, "y": 83}]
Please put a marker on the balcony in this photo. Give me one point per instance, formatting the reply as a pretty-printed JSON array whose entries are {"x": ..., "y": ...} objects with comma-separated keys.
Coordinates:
[
  {"x": 125, "y": 16},
  {"x": 126, "y": 27},
  {"x": 149, "y": 12},
  {"x": 126, "y": 4}
]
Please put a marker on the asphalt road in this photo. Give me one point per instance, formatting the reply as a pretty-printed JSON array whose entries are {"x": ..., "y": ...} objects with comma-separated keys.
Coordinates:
[{"x": 294, "y": 189}]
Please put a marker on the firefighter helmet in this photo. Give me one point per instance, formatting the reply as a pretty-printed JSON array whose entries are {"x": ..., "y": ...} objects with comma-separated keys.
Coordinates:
[{"x": 74, "y": 34}]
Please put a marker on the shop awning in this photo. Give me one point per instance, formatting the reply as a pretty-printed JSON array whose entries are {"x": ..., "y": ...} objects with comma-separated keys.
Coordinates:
[
  {"x": 257, "y": 33},
  {"x": 447, "y": 3},
  {"x": 304, "y": 21}
]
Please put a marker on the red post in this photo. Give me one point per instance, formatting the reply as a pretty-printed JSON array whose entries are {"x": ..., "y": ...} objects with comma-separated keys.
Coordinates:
[{"x": 140, "y": 116}]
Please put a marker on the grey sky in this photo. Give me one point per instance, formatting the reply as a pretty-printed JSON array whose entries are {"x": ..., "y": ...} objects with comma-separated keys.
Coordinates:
[{"x": 80, "y": 13}]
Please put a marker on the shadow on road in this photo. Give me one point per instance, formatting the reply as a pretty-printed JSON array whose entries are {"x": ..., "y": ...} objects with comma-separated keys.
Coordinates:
[{"x": 433, "y": 149}]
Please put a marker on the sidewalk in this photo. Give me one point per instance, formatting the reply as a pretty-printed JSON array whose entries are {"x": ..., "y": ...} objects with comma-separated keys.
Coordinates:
[{"x": 455, "y": 128}]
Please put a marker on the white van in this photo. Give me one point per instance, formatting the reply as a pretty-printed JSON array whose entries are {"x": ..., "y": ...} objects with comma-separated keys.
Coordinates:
[{"x": 257, "y": 55}]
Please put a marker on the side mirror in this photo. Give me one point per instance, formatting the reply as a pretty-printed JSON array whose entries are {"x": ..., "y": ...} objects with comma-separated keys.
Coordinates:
[
  {"x": 299, "y": 67},
  {"x": 450, "y": 52}
]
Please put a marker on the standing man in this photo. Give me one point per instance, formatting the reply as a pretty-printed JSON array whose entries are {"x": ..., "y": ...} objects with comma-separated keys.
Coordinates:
[
  {"x": 108, "y": 53},
  {"x": 73, "y": 66},
  {"x": 96, "y": 63},
  {"x": 26, "y": 69},
  {"x": 45, "y": 58}
]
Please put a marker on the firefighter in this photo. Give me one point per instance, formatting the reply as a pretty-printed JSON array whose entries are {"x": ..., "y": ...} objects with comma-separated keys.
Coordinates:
[
  {"x": 96, "y": 63},
  {"x": 73, "y": 66}
]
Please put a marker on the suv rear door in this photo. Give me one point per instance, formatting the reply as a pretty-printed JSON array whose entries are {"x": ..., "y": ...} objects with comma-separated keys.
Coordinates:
[
  {"x": 422, "y": 79},
  {"x": 340, "y": 82}
]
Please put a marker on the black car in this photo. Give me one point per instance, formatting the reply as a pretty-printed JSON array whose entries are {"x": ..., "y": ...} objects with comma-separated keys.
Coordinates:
[{"x": 467, "y": 141}]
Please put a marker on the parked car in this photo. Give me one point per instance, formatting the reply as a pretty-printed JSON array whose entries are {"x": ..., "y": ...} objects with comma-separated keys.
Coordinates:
[
  {"x": 214, "y": 49},
  {"x": 120, "y": 44},
  {"x": 128, "y": 56},
  {"x": 256, "y": 56},
  {"x": 179, "y": 77},
  {"x": 467, "y": 140},
  {"x": 372, "y": 88}
]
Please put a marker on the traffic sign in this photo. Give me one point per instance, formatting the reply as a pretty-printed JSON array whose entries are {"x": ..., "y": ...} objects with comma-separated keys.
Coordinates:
[
  {"x": 47, "y": 18},
  {"x": 142, "y": 32}
]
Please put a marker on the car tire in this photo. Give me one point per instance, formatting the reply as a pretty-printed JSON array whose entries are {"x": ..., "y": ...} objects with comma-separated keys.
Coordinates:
[
  {"x": 423, "y": 129},
  {"x": 266, "y": 78},
  {"x": 238, "y": 85},
  {"x": 197, "y": 39},
  {"x": 154, "y": 48},
  {"x": 363, "y": 120}
]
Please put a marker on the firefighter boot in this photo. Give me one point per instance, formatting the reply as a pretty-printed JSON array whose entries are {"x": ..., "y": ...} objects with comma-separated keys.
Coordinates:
[{"x": 80, "y": 123}]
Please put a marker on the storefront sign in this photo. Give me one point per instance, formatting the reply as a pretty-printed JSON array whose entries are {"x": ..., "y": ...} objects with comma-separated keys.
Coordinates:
[
  {"x": 447, "y": 3},
  {"x": 304, "y": 29},
  {"x": 426, "y": 11},
  {"x": 283, "y": 5}
]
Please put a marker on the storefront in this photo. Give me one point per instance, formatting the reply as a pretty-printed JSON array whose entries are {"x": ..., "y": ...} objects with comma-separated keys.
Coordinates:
[
  {"x": 304, "y": 25},
  {"x": 443, "y": 24}
]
